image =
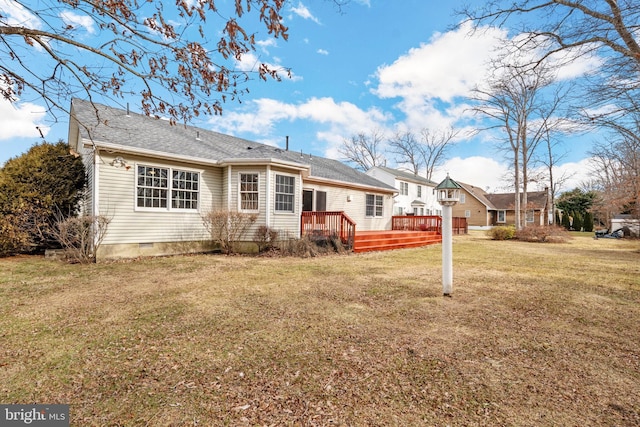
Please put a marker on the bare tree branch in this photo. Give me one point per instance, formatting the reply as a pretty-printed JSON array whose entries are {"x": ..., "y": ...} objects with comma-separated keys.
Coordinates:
[
  {"x": 162, "y": 53},
  {"x": 365, "y": 151}
]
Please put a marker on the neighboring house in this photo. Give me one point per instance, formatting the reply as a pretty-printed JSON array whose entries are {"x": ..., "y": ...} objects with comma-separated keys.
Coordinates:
[
  {"x": 484, "y": 209},
  {"x": 415, "y": 193},
  {"x": 155, "y": 180}
]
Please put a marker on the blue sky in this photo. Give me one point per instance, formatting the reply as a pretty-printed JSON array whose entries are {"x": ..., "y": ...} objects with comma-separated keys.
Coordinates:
[{"x": 378, "y": 65}]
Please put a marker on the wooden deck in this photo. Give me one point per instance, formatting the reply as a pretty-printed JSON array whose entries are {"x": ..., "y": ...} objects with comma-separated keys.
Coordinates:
[{"x": 366, "y": 241}]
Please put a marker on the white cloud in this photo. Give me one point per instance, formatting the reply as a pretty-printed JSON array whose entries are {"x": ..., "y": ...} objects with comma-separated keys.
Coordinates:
[
  {"x": 21, "y": 120},
  {"x": 574, "y": 173},
  {"x": 302, "y": 11},
  {"x": 495, "y": 177},
  {"x": 323, "y": 52},
  {"x": 75, "y": 20},
  {"x": 251, "y": 63},
  {"x": 337, "y": 119},
  {"x": 14, "y": 14},
  {"x": 447, "y": 67},
  {"x": 264, "y": 45},
  {"x": 429, "y": 80},
  {"x": 483, "y": 172}
]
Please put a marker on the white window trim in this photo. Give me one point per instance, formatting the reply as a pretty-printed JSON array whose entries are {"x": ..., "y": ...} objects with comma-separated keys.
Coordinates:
[
  {"x": 170, "y": 170},
  {"x": 375, "y": 199},
  {"x": 295, "y": 185},
  {"x": 239, "y": 193},
  {"x": 467, "y": 213},
  {"x": 504, "y": 216}
]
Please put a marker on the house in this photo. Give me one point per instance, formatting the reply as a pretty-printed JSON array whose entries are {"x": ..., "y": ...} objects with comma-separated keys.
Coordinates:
[
  {"x": 484, "y": 210},
  {"x": 415, "y": 194},
  {"x": 155, "y": 180}
]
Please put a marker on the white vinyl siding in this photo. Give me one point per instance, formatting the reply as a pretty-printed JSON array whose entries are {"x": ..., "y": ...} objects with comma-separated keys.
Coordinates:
[
  {"x": 129, "y": 224},
  {"x": 352, "y": 202}
]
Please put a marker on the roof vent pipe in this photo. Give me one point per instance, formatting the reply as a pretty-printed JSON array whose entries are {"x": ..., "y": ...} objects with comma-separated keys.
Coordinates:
[
  {"x": 287, "y": 146},
  {"x": 127, "y": 109}
]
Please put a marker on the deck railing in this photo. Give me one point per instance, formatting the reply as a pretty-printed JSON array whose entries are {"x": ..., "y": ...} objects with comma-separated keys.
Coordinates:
[
  {"x": 427, "y": 223},
  {"x": 417, "y": 223},
  {"x": 327, "y": 224},
  {"x": 459, "y": 225}
]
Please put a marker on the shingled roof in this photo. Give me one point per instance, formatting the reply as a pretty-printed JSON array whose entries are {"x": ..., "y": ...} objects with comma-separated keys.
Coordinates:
[
  {"x": 505, "y": 201},
  {"x": 408, "y": 176},
  {"x": 113, "y": 128}
]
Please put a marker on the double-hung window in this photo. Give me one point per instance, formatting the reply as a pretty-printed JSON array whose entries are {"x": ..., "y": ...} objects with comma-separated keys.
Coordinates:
[
  {"x": 419, "y": 190},
  {"x": 166, "y": 188},
  {"x": 530, "y": 215},
  {"x": 404, "y": 188},
  {"x": 502, "y": 216},
  {"x": 249, "y": 192},
  {"x": 184, "y": 189},
  {"x": 374, "y": 205},
  {"x": 285, "y": 193}
]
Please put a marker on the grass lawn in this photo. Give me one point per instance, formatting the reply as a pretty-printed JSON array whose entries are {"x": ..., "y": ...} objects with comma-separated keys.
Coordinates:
[{"x": 535, "y": 334}]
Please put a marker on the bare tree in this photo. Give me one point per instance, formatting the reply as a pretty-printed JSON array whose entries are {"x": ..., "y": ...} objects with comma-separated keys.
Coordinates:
[
  {"x": 617, "y": 165},
  {"x": 407, "y": 150},
  {"x": 365, "y": 151},
  {"x": 513, "y": 101},
  {"x": 566, "y": 29},
  {"x": 560, "y": 25},
  {"x": 550, "y": 161},
  {"x": 427, "y": 153},
  {"x": 161, "y": 52}
]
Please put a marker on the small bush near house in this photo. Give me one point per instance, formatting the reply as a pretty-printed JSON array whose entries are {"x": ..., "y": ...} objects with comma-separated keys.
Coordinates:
[
  {"x": 310, "y": 246},
  {"x": 265, "y": 237},
  {"x": 80, "y": 237},
  {"x": 502, "y": 232},
  {"x": 227, "y": 227},
  {"x": 543, "y": 234}
]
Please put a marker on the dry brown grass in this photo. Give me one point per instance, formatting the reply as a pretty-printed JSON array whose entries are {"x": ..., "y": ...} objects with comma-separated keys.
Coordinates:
[{"x": 535, "y": 334}]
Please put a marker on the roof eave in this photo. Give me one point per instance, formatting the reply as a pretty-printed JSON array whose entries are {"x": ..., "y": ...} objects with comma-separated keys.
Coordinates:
[{"x": 350, "y": 184}]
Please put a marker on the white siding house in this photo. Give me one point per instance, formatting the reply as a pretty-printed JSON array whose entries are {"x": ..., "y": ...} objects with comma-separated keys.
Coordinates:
[
  {"x": 155, "y": 181},
  {"x": 415, "y": 193}
]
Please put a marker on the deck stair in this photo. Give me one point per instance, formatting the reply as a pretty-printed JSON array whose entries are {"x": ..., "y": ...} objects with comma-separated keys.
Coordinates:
[{"x": 366, "y": 241}]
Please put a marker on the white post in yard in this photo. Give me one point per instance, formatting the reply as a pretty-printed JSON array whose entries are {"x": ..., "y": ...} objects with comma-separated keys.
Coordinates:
[
  {"x": 447, "y": 251},
  {"x": 448, "y": 195}
]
